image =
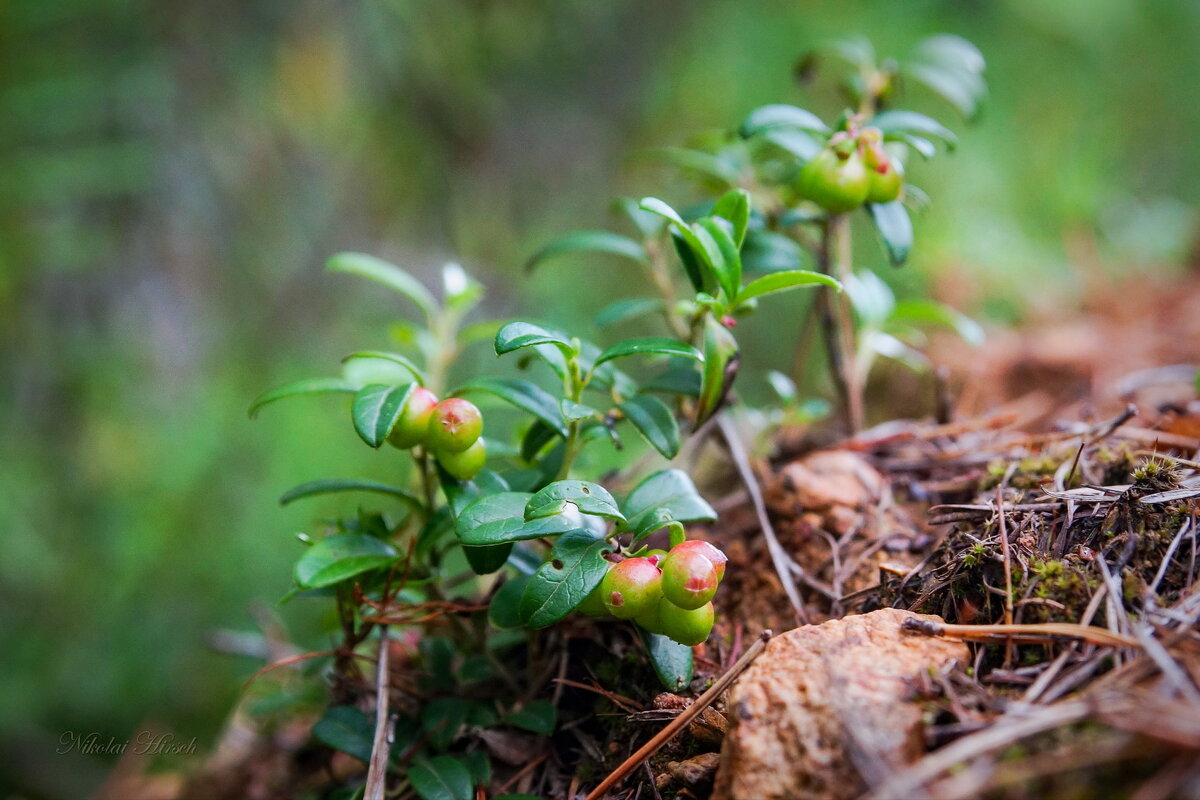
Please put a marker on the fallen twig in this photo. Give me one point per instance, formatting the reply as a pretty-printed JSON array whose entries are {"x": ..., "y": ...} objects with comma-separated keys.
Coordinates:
[
  {"x": 687, "y": 715},
  {"x": 1031, "y": 632}
]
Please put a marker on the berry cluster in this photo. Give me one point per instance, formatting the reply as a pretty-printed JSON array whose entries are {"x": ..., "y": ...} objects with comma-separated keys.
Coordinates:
[
  {"x": 451, "y": 430},
  {"x": 853, "y": 168},
  {"x": 666, "y": 593}
]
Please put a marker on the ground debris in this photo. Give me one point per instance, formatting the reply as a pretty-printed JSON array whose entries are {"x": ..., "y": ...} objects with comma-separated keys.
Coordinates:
[{"x": 1030, "y": 539}]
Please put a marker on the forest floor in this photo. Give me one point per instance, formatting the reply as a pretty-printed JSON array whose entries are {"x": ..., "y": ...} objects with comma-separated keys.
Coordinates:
[{"x": 1052, "y": 508}]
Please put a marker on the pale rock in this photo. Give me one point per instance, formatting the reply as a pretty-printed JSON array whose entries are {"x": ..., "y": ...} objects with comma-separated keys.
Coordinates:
[{"x": 824, "y": 712}]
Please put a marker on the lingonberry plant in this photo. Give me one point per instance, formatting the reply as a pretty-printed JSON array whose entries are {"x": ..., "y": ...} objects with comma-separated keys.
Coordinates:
[
  {"x": 805, "y": 179},
  {"x": 528, "y": 505}
]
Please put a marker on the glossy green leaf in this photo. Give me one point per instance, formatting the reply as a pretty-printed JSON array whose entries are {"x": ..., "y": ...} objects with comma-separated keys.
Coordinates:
[
  {"x": 783, "y": 281},
  {"x": 504, "y": 610},
  {"x": 524, "y": 395},
  {"x": 709, "y": 254},
  {"x": 895, "y": 228},
  {"x": 488, "y": 559},
  {"x": 734, "y": 206},
  {"x": 721, "y": 362},
  {"x": 804, "y": 146},
  {"x": 518, "y": 335},
  {"x": 953, "y": 68},
  {"x": 576, "y": 565},
  {"x": 500, "y": 518},
  {"x": 441, "y": 778},
  {"x": 377, "y": 409},
  {"x": 709, "y": 165},
  {"x": 898, "y": 121},
  {"x": 441, "y": 719},
  {"x": 699, "y": 275},
  {"x": 700, "y": 251},
  {"x": 648, "y": 225},
  {"x": 538, "y": 716},
  {"x": 780, "y": 115},
  {"x": 926, "y": 148},
  {"x": 766, "y": 251},
  {"x": 589, "y": 498},
  {"x": 666, "y": 496},
  {"x": 337, "y": 558},
  {"x": 682, "y": 377},
  {"x": 605, "y": 376},
  {"x": 593, "y": 241},
  {"x": 929, "y": 312},
  {"x": 728, "y": 267},
  {"x": 672, "y": 661},
  {"x": 348, "y": 729},
  {"x": 460, "y": 494},
  {"x": 480, "y": 767},
  {"x": 654, "y": 345},
  {"x": 573, "y": 412},
  {"x": 625, "y": 310},
  {"x": 872, "y": 299},
  {"x": 535, "y": 439},
  {"x": 309, "y": 386},
  {"x": 394, "y": 358},
  {"x": 654, "y": 421},
  {"x": 389, "y": 275},
  {"x": 332, "y": 485}
]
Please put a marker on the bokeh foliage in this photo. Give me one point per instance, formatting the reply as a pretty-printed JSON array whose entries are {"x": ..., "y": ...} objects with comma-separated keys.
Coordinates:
[{"x": 173, "y": 174}]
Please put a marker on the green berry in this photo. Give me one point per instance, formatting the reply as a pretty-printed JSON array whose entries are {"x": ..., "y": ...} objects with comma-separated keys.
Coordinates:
[
  {"x": 689, "y": 579},
  {"x": 413, "y": 425},
  {"x": 707, "y": 550},
  {"x": 687, "y": 626},
  {"x": 464, "y": 465},
  {"x": 454, "y": 426},
  {"x": 835, "y": 182},
  {"x": 651, "y": 618},
  {"x": 886, "y": 178},
  {"x": 593, "y": 604},
  {"x": 631, "y": 587}
]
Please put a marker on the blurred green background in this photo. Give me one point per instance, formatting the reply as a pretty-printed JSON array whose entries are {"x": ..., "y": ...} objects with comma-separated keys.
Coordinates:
[{"x": 173, "y": 175}]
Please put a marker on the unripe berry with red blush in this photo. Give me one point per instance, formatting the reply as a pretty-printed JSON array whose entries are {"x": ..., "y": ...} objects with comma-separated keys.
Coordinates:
[
  {"x": 631, "y": 588},
  {"x": 413, "y": 425},
  {"x": 689, "y": 578},
  {"x": 455, "y": 425},
  {"x": 707, "y": 550},
  {"x": 656, "y": 556}
]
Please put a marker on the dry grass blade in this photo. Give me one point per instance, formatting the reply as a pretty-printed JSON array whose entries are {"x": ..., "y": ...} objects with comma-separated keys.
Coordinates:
[
  {"x": 783, "y": 563},
  {"x": 1010, "y": 728}
]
